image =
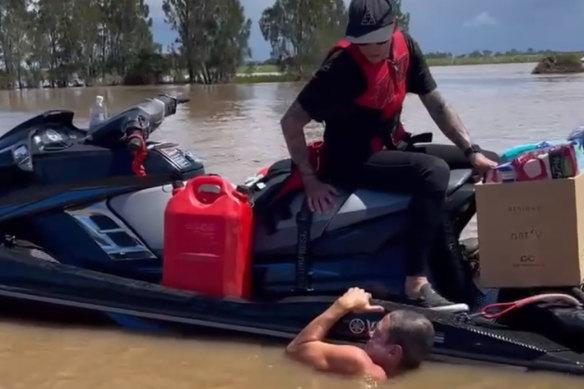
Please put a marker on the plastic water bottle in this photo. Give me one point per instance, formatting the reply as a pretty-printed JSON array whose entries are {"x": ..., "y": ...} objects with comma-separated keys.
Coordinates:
[{"x": 98, "y": 112}]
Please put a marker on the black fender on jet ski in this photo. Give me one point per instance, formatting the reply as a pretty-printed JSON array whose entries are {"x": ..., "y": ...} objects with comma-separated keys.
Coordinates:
[{"x": 459, "y": 337}]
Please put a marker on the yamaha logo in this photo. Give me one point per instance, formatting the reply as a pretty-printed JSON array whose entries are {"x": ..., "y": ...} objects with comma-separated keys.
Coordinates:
[{"x": 357, "y": 326}]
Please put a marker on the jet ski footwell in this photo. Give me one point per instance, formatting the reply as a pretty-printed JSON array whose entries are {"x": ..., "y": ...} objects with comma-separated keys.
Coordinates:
[{"x": 27, "y": 278}]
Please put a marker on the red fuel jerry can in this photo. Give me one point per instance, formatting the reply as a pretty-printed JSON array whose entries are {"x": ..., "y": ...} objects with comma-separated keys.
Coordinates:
[{"x": 208, "y": 239}]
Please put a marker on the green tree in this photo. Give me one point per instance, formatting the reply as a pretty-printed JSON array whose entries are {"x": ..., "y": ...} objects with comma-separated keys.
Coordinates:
[
  {"x": 126, "y": 30},
  {"x": 213, "y": 36},
  {"x": 301, "y": 32},
  {"x": 14, "y": 35},
  {"x": 146, "y": 68},
  {"x": 92, "y": 38},
  {"x": 403, "y": 18}
]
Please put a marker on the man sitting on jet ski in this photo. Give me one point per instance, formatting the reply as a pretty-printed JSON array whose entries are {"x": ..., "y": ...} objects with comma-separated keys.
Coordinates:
[
  {"x": 401, "y": 341},
  {"x": 359, "y": 92}
]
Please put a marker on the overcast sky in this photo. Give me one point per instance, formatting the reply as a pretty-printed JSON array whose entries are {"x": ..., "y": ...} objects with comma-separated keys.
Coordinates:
[{"x": 458, "y": 26}]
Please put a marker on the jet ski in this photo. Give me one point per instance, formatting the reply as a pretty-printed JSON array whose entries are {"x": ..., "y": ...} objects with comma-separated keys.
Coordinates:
[{"x": 93, "y": 202}]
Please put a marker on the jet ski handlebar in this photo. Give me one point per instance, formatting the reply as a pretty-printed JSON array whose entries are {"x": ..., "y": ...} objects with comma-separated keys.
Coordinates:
[
  {"x": 140, "y": 123},
  {"x": 144, "y": 117}
]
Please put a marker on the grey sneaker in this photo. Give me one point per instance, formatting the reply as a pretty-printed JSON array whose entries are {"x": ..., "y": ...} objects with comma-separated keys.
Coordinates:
[{"x": 430, "y": 299}]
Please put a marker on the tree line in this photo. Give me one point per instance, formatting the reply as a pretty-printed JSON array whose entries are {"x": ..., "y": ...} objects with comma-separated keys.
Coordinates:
[
  {"x": 58, "y": 43},
  {"x": 49, "y": 40}
]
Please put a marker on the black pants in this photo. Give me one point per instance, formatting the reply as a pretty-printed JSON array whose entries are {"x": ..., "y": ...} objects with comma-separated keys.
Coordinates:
[{"x": 424, "y": 174}]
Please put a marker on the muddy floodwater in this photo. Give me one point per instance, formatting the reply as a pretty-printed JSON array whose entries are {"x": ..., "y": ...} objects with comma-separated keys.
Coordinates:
[{"x": 235, "y": 129}]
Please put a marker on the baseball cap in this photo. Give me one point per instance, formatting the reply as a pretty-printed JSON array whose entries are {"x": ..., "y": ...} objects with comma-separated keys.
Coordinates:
[{"x": 370, "y": 21}]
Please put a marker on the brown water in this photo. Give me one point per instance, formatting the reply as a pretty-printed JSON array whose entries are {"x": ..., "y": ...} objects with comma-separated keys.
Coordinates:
[{"x": 235, "y": 129}]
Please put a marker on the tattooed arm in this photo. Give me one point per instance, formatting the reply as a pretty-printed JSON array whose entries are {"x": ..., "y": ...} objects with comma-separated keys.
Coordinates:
[
  {"x": 446, "y": 119},
  {"x": 421, "y": 82},
  {"x": 337, "y": 82},
  {"x": 320, "y": 195},
  {"x": 293, "y": 124}
]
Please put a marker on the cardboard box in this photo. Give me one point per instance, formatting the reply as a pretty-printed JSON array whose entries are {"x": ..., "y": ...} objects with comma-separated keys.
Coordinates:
[{"x": 531, "y": 234}]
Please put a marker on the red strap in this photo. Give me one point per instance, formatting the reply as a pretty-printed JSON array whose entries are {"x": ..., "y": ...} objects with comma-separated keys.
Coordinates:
[
  {"x": 377, "y": 144},
  {"x": 295, "y": 180},
  {"x": 495, "y": 311},
  {"x": 399, "y": 134},
  {"x": 139, "y": 155}
]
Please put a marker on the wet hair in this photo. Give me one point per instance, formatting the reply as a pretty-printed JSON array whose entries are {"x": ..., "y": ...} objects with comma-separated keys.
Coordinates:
[{"x": 414, "y": 333}]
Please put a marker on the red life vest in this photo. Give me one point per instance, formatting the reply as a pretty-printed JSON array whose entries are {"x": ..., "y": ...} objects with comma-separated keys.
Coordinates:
[
  {"x": 386, "y": 91},
  {"x": 386, "y": 82}
]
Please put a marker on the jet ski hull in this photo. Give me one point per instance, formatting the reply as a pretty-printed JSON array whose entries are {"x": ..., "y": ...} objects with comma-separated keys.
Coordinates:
[
  {"x": 147, "y": 306},
  {"x": 92, "y": 220}
]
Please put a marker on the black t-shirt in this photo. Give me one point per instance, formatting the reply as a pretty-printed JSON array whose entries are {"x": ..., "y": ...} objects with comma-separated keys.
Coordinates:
[
  {"x": 330, "y": 97},
  {"x": 339, "y": 81}
]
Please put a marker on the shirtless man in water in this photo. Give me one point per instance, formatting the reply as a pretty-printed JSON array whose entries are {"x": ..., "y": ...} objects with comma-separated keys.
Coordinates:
[{"x": 400, "y": 342}]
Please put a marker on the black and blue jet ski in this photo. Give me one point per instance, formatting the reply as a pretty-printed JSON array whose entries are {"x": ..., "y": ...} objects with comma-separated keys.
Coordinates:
[{"x": 80, "y": 197}]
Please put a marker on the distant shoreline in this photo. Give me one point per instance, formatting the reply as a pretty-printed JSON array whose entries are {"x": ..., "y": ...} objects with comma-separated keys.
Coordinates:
[
  {"x": 257, "y": 74},
  {"x": 484, "y": 60},
  {"x": 270, "y": 73}
]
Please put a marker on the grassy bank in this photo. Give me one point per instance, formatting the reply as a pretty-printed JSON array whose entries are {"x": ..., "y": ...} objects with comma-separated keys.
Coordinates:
[
  {"x": 432, "y": 61},
  {"x": 250, "y": 69},
  {"x": 248, "y": 74},
  {"x": 260, "y": 78},
  {"x": 501, "y": 59}
]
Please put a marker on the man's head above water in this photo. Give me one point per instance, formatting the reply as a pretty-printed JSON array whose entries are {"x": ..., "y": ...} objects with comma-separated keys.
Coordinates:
[
  {"x": 401, "y": 341},
  {"x": 371, "y": 25}
]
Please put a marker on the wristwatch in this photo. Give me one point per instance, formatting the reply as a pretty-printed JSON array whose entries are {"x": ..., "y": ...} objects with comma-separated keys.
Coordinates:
[{"x": 473, "y": 149}]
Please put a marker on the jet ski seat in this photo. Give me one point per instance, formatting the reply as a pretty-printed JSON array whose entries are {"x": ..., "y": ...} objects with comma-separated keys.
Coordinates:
[
  {"x": 279, "y": 172},
  {"x": 458, "y": 178}
]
